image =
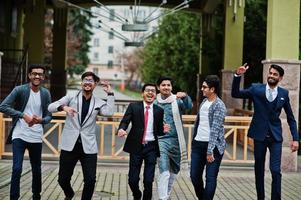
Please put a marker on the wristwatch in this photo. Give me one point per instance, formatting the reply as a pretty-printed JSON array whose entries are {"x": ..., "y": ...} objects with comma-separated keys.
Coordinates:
[{"x": 110, "y": 93}]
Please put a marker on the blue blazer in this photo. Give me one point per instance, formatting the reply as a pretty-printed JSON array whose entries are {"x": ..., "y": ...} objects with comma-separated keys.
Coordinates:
[{"x": 264, "y": 117}]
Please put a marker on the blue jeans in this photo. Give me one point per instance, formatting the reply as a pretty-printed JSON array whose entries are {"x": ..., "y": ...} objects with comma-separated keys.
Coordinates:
[
  {"x": 198, "y": 162},
  {"x": 260, "y": 149},
  {"x": 35, "y": 151}
]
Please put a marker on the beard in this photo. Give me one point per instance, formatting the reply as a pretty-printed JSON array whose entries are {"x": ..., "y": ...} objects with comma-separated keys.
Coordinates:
[{"x": 272, "y": 82}]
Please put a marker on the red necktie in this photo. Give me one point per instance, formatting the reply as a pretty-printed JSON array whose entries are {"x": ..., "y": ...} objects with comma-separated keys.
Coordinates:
[{"x": 145, "y": 123}]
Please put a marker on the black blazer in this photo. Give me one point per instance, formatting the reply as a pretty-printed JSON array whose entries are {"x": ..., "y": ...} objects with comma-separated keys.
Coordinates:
[{"x": 135, "y": 114}]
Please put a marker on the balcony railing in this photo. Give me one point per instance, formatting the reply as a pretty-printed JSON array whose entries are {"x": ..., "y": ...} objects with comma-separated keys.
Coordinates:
[{"x": 238, "y": 150}]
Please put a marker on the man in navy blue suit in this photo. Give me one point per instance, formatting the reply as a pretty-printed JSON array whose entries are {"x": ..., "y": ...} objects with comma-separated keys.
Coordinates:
[{"x": 265, "y": 127}]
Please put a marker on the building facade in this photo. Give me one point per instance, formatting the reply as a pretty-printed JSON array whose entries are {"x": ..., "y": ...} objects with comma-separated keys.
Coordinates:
[{"x": 108, "y": 44}]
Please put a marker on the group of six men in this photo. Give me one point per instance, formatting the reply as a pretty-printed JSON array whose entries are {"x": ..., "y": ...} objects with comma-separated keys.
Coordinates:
[{"x": 156, "y": 133}]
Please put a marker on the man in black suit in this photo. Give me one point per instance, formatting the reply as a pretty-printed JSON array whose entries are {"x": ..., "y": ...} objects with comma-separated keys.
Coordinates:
[{"x": 142, "y": 140}]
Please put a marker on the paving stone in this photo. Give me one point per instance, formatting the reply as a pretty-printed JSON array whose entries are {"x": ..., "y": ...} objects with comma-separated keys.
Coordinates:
[{"x": 112, "y": 184}]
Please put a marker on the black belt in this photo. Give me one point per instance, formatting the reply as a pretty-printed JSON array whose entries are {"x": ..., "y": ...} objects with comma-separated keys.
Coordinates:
[{"x": 149, "y": 143}]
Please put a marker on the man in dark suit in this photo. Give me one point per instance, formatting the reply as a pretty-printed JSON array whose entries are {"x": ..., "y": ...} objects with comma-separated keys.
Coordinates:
[
  {"x": 142, "y": 140},
  {"x": 265, "y": 128}
]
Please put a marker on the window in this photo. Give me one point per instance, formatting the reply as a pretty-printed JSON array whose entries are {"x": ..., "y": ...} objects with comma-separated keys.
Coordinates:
[
  {"x": 110, "y": 49},
  {"x": 95, "y": 56},
  {"x": 110, "y": 64},
  {"x": 112, "y": 15},
  {"x": 111, "y": 35},
  {"x": 96, "y": 42}
]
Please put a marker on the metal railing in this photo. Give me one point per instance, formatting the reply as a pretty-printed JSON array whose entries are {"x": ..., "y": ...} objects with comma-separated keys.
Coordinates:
[{"x": 110, "y": 146}]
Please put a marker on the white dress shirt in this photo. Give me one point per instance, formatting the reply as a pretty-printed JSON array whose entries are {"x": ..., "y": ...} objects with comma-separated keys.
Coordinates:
[
  {"x": 150, "y": 123},
  {"x": 274, "y": 92}
]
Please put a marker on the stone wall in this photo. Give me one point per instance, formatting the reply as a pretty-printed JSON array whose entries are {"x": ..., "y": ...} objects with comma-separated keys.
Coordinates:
[{"x": 291, "y": 81}]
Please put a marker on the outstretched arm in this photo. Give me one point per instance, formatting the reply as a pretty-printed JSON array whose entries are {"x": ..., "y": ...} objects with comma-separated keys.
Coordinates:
[
  {"x": 108, "y": 108},
  {"x": 127, "y": 118}
]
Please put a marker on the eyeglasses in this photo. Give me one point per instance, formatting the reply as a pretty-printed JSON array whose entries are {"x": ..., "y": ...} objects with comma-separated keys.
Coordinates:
[
  {"x": 88, "y": 81},
  {"x": 150, "y": 90},
  {"x": 36, "y": 74}
]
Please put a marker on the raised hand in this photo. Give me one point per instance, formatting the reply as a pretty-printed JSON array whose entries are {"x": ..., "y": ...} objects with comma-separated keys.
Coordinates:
[
  {"x": 181, "y": 95},
  {"x": 105, "y": 86},
  {"x": 122, "y": 133},
  {"x": 242, "y": 69}
]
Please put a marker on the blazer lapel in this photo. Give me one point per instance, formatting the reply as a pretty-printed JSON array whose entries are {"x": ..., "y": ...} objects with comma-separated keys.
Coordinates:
[
  {"x": 155, "y": 111},
  {"x": 42, "y": 100},
  {"x": 279, "y": 97},
  {"x": 262, "y": 93},
  {"x": 79, "y": 107},
  {"x": 26, "y": 96},
  {"x": 141, "y": 113}
]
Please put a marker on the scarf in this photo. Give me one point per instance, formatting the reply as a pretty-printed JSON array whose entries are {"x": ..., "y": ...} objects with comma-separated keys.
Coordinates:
[{"x": 179, "y": 127}]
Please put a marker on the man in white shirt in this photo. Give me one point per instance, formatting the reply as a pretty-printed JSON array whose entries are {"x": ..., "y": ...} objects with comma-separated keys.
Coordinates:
[
  {"x": 208, "y": 144},
  {"x": 27, "y": 105}
]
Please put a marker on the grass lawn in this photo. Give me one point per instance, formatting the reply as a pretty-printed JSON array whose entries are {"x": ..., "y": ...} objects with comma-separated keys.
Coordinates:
[{"x": 131, "y": 93}]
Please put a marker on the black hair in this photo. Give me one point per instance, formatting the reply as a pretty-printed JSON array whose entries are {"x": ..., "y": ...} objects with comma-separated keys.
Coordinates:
[
  {"x": 36, "y": 66},
  {"x": 95, "y": 78},
  {"x": 164, "y": 78},
  {"x": 148, "y": 84},
  {"x": 213, "y": 82},
  {"x": 278, "y": 68}
]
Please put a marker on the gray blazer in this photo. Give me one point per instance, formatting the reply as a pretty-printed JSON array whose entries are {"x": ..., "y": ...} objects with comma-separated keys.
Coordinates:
[
  {"x": 87, "y": 130},
  {"x": 14, "y": 105}
]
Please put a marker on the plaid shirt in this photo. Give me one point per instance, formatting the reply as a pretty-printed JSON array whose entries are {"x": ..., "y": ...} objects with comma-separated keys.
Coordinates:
[{"x": 217, "y": 113}]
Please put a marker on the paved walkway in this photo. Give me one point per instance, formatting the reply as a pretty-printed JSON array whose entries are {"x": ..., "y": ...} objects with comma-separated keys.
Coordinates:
[{"x": 111, "y": 183}]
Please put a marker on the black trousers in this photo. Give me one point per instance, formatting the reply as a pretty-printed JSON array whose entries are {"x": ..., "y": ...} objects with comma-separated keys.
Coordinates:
[
  {"x": 68, "y": 160},
  {"x": 147, "y": 154}
]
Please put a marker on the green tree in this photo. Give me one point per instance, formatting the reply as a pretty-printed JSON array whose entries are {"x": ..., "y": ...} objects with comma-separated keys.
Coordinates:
[
  {"x": 174, "y": 52},
  {"x": 255, "y": 39},
  {"x": 79, "y": 35}
]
